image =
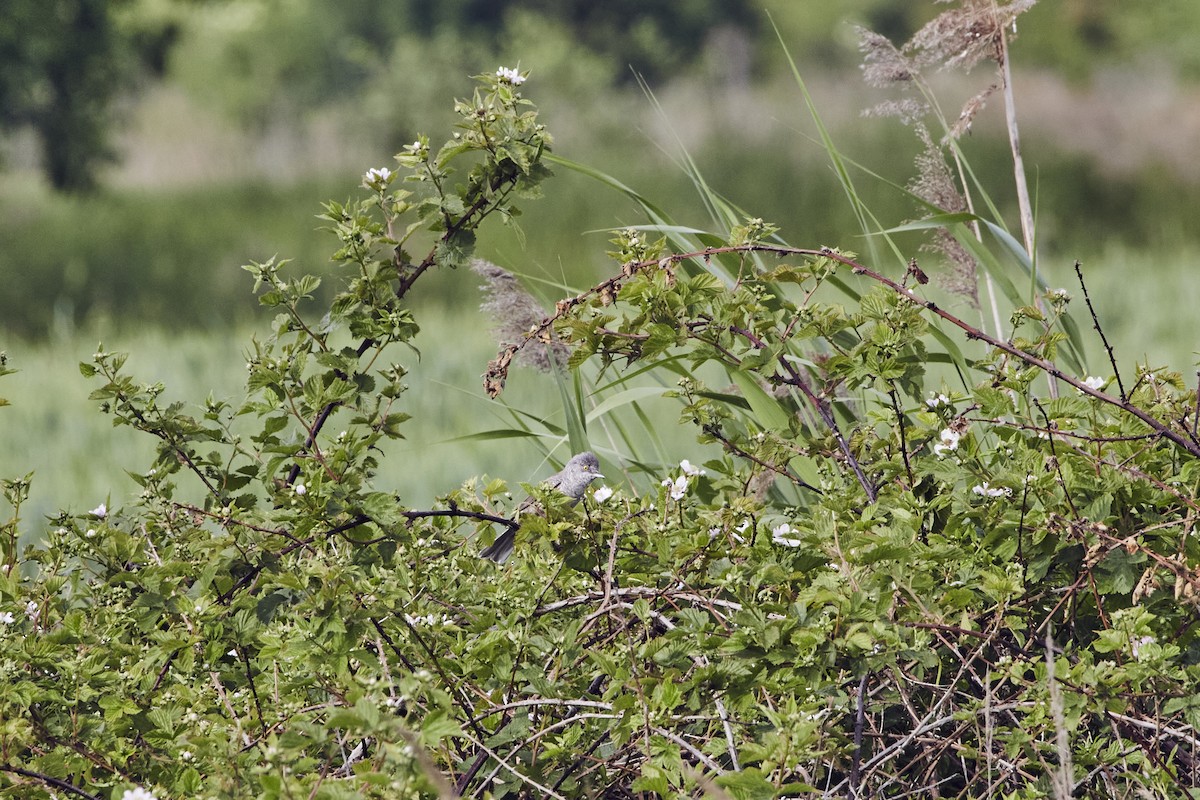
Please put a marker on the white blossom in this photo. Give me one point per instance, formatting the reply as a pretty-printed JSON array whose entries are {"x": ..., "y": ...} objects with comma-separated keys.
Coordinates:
[
  {"x": 690, "y": 470},
  {"x": 1093, "y": 382},
  {"x": 1137, "y": 644},
  {"x": 779, "y": 535},
  {"x": 31, "y": 609},
  {"x": 301, "y": 489},
  {"x": 376, "y": 177},
  {"x": 938, "y": 400},
  {"x": 510, "y": 76},
  {"x": 602, "y": 494},
  {"x": 677, "y": 488},
  {"x": 6, "y": 618},
  {"x": 984, "y": 490},
  {"x": 137, "y": 793},
  {"x": 947, "y": 441},
  {"x": 100, "y": 511}
]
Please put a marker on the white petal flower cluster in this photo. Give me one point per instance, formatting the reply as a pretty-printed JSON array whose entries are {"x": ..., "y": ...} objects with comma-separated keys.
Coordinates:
[
  {"x": 779, "y": 535},
  {"x": 936, "y": 401},
  {"x": 1137, "y": 644},
  {"x": 428, "y": 620},
  {"x": 510, "y": 76},
  {"x": 377, "y": 178},
  {"x": 677, "y": 487},
  {"x": 947, "y": 442}
]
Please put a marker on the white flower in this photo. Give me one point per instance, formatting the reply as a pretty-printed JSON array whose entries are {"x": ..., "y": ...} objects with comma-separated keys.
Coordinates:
[
  {"x": 31, "y": 609},
  {"x": 602, "y": 494},
  {"x": 137, "y": 794},
  {"x": 301, "y": 489},
  {"x": 1060, "y": 295},
  {"x": 186, "y": 755},
  {"x": 6, "y": 618},
  {"x": 779, "y": 535},
  {"x": 688, "y": 469},
  {"x": 100, "y": 511},
  {"x": 983, "y": 490},
  {"x": 1093, "y": 382},
  {"x": 947, "y": 441},
  {"x": 677, "y": 487},
  {"x": 510, "y": 76},
  {"x": 377, "y": 176},
  {"x": 1137, "y": 644},
  {"x": 938, "y": 400}
]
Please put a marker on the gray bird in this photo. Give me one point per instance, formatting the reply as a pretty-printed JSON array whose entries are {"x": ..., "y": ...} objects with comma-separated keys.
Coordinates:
[{"x": 572, "y": 481}]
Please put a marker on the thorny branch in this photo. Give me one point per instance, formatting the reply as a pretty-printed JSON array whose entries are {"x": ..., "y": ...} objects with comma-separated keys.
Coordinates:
[{"x": 497, "y": 370}]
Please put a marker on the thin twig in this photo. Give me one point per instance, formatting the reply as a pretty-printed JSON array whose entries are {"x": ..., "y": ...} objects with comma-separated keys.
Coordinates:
[
  {"x": 498, "y": 369},
  {"x": 1112, "y": 359},
  {"x": 55, "y": 782},
  {"x": 903, "y": 435},
  {"x": 860, "y": 713}
]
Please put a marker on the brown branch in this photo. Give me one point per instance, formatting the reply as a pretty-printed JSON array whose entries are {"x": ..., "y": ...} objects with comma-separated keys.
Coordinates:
[
  {"x": 55, "y": 782},
  {"x": 498, "y": 369}
]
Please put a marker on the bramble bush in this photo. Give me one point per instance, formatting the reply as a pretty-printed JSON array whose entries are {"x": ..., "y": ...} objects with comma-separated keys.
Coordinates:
[{"x": 930, "y": 559}]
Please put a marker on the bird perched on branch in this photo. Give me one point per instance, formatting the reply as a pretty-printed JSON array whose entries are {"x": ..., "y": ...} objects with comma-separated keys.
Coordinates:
[{"x": 572, "y": 481}]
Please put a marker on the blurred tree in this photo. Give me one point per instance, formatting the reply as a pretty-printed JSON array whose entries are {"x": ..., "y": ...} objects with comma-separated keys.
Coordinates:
[
  {"x": 654, "y": 38},
  {"x": 59, "y": 70},
  {"x": 62, "y": 64}
]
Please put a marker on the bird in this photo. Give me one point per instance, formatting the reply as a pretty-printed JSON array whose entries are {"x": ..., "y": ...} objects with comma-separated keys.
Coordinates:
[{"x": 572, "y": 480}]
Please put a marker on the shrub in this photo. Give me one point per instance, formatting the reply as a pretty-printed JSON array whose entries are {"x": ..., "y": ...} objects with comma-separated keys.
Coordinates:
[{"x": 915, "y": 566}]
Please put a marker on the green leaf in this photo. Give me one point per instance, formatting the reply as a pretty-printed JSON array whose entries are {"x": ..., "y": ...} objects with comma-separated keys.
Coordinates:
[
  {"x": 384, "y": 509},
  {"x": 748, "y": 784},
  {"x": 437, "y": 726}
]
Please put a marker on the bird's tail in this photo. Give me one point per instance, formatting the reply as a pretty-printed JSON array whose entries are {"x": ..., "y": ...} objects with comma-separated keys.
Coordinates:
[{"x": 502, "y": 548}]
